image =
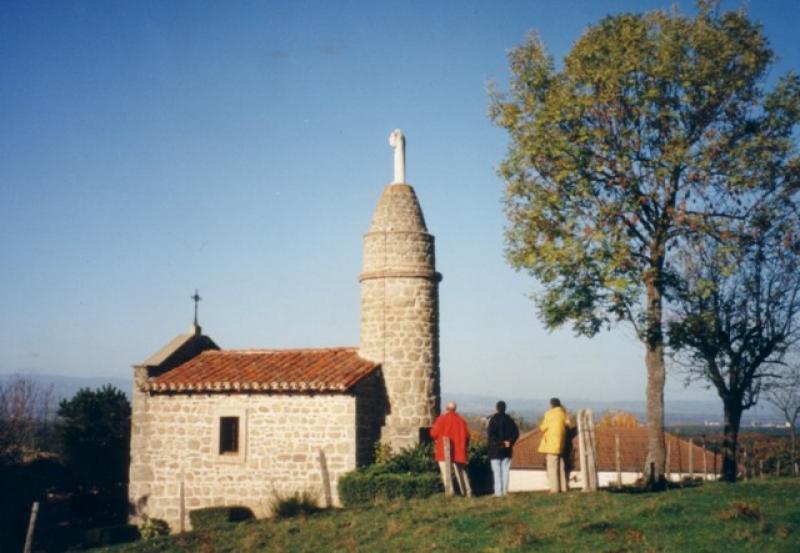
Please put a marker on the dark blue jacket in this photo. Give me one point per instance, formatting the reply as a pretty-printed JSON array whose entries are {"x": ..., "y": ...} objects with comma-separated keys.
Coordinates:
[{"x": 502, "y": 428}]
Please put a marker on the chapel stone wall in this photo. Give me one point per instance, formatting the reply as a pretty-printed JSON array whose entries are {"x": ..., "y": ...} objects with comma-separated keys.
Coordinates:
[{"x": 175, "y": 439}]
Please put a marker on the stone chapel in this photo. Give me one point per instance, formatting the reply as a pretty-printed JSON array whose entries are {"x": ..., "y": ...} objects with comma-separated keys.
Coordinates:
[{"x": 217, "y": 427}]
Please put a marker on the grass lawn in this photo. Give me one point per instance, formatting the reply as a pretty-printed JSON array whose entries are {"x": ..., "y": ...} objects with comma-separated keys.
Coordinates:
[{"x": 754, "y": 516}]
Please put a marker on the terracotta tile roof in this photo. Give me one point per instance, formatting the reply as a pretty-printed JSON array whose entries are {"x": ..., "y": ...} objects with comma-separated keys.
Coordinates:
[
  {"x": 299, "y": 370},
  {"x": 633, "y": 451}
]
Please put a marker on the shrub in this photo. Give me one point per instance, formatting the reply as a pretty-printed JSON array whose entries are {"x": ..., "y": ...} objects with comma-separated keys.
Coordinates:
[
  {"x": 413, "y": 472},
  {"x": 214, "y": 517},
  {"x": 110, "y": 535},
  {"x": 479, "y": 469},
  {"x": 415, "y": 460},
  {"x": 299, "y": 503},
  {"x": 367, "y": 486},
  {"x": 383, "y": 452},
  {"x": 151, "y": 528}
]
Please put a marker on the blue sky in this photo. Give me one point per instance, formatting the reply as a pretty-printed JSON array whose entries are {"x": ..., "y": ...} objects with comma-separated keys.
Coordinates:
[{"x": 151, "y": 148}]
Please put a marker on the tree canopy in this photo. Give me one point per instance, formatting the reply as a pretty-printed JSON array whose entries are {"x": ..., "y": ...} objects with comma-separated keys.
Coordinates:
[
  {"x": 735, "y": 309},
  {"x": 646, "y": 137},
  {"x": 94, "y": 432}
]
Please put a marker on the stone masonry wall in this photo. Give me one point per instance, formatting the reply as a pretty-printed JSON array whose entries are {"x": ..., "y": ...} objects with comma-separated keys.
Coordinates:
[
  {"x": 399, "y": 250},
  {"x": 400, "y": 313},
  {"x": 399, "y": 327},
  {"x": 371, "y": 406},
  {"x": 175, "y": 437}
]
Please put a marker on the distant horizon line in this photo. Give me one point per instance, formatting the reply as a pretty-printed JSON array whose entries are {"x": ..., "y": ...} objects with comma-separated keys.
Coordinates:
[{"x": 485, "y": 396}]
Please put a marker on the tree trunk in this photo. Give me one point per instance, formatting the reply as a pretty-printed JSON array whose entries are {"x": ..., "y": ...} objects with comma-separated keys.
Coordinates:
[
  {"x": 732, "y": 419},
  {"x": 654, "y": 359}
]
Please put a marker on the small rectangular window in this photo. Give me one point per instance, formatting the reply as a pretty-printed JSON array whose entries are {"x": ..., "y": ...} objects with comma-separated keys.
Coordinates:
[{"x": 228, "y": 435}]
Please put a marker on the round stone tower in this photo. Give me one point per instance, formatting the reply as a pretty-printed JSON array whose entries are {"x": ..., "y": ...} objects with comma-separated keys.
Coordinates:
[{"x": 400, "y": 308}]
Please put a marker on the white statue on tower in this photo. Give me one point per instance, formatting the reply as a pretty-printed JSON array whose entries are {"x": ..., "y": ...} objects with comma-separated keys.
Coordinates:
[{"x": 398, "y": 142}]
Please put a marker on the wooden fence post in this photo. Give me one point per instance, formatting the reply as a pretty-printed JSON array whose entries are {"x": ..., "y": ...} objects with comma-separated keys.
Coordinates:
[
  {"x": 326, "y": 480},
  {"x": 592, "y": 451},
  {"x": 778, "y": 468},
  {"x": 761, "y": 468},
  {"x": 691, "y": 458},
  {"x": 448, "y": 468},
  {"x": 744, "y": 462},
  {"x": 667, "y": 460},
  {"x": 705, "y": 461},
  {"x": 618, "y": 459},
  {"x": 587, "y": 450},
  {"x": 31, "y": 526},
  {"x": 183, "y": 505},
  {"x": 715, "y": 464},
  {"x": 582, "y": 451}
]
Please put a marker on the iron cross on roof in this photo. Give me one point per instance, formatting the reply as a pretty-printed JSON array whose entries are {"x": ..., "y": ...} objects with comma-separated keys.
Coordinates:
[{"x": 196, "y": 299}]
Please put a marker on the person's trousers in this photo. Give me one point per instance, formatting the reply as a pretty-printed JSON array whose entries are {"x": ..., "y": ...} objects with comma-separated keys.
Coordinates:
[
  {"x": 459, "y": 472},
  {"x": 556, "y": 475},
  {"x": 500, "y": 468}
]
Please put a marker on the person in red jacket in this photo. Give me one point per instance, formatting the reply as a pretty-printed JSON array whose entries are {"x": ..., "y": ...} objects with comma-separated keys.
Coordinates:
[{"x": 451, "y": 427}]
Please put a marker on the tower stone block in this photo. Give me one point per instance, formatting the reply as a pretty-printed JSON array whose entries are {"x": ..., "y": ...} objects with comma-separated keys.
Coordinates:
[{"x": 400, "y": 313}]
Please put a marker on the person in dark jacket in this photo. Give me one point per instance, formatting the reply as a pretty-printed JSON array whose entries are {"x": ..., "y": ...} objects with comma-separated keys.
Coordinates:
[{"x": 502, "y": 434}]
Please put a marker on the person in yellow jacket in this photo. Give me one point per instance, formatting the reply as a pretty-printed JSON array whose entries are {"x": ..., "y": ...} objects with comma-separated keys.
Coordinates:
[{"x": 554, "y": 435}]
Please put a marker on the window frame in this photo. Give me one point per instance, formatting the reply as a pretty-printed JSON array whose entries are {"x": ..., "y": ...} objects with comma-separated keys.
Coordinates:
[
  {"x": 229, "y": 435},
  {"x": 239, "y": 456}
]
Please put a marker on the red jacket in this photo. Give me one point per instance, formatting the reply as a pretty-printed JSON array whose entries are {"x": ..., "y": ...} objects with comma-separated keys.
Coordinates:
[{"x": 451, "y": 426}]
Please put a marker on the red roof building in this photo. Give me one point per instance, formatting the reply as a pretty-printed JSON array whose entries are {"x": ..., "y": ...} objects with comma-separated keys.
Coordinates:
[
  {"x": 276, "y": 371},
  {"x": 528, "y": 465}
]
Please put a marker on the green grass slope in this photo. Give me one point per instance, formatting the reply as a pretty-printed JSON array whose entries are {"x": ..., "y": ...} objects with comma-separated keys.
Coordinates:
[{"x": 754, "y": 516}]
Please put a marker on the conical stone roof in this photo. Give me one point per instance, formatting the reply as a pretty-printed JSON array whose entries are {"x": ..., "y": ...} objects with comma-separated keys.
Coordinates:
[{"x": 398, "y": 210}]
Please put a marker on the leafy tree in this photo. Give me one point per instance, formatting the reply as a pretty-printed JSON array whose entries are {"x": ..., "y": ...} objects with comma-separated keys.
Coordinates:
[
  {"x": 737, "y": 307},
  {"x": 644, "y": 138},
  {"x": 785, "y": 395},
  {"x": 94, "y": 431},
  {"x": 26, "y": 413}
]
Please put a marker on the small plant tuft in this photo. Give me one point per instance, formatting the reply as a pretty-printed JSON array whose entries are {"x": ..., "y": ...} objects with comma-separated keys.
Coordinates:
[
  {"x": 299, "y": 503},
  {"x": 600, "y": 527},
  {"x": 521, "y": 535},
  {"x": 151, "y": 528},
  {"x": 383, "y": 452},
  {"x": 742, "y": 511},
  {"x": 110, "y": 535}
]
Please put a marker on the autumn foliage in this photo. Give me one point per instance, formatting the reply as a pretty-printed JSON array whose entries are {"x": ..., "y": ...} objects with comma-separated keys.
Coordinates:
[
  {"x": 619, "y": 419},
  {"x": 656, "y": 132}
]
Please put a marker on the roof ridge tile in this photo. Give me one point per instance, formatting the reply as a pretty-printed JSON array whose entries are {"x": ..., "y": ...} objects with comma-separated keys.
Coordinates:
[{"x": 290, "y": 370}]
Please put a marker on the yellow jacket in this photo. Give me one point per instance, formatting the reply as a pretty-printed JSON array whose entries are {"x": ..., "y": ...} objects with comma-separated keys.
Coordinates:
[{"x": 554, "y": 431}]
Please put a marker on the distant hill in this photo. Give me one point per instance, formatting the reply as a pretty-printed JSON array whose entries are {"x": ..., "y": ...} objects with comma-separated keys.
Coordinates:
[
  {"x": 68, "y": 386},
  {"x": 688, "y": 412}
]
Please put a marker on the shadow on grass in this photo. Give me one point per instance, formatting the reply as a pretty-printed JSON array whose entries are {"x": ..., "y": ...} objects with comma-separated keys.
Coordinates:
[{"x": 640, "y": 489}]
